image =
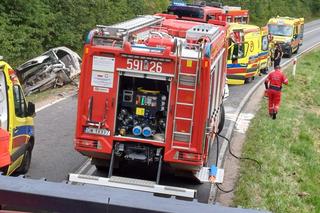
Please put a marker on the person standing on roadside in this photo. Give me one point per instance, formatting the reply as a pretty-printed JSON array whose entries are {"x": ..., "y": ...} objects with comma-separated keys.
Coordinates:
[
  {"x": 273, "y": 84},
  {"x": 277, "y": 55},
  {"x": 271, "y": 50}
]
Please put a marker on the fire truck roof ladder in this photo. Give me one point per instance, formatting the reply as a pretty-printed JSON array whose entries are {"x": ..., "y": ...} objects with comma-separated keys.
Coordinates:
[
  {"x": 184, "y": 82},
  {"x": 124, "y": 28}
]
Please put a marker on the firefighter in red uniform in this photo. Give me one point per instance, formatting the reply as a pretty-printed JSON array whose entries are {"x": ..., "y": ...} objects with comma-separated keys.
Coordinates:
[{"x": 274, "y": 85}]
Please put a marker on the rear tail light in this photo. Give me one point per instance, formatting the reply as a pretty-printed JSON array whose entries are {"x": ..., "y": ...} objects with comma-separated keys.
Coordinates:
[
  {"x": 87, "y": 144},
  {"x": 187, "y": 156}
]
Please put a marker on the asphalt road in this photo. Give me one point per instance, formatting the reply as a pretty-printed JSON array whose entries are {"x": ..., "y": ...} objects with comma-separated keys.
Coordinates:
[{"x": 54, "y": 156}]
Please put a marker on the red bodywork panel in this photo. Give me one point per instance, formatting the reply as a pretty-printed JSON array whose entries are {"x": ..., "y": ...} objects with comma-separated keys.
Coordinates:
[
  {"x": 97, "y": 106},
  {"x": 5, "y": 158}
]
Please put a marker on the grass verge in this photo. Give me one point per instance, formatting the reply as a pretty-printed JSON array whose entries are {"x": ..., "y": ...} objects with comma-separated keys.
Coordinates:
[
  {"x": 288, "y": 147},
  {"x": 51, "y": 94}
]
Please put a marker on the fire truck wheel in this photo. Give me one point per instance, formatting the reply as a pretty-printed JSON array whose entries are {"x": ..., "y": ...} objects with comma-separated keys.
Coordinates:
[
  {"x": 203, "y": 192},
  {"x": 25, "y": 165},
  {"x": 222, "y": 119}
]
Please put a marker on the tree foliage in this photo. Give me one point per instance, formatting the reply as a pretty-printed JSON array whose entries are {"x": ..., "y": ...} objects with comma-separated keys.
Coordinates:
[{"x": 30, "y": 27}]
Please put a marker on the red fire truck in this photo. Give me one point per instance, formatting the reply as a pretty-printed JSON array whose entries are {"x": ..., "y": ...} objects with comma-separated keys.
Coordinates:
[
  {"x": 205, "y": 12},
  {"x": 151, "y": 90}
]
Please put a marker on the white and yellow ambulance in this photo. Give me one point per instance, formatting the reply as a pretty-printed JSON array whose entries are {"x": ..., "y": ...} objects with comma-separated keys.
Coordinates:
[
  {"x": 16, "y": 120},
  {"x": 248, "y": 52},
  {"x": 288, "y": 32}
]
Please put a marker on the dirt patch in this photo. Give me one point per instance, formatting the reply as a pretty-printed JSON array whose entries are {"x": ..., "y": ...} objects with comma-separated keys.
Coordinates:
[
  {"x": 232, "y": 165},
  {"x": 52, "y": 95}
]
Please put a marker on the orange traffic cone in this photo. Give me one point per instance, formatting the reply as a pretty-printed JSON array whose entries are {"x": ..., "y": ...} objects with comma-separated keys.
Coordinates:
[{"x": 5, "y": 159}]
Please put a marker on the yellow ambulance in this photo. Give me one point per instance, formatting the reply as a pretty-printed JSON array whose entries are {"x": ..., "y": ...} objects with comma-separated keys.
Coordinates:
[
  {"x": 248, "y": 52},
  {"x": 16, "y": 118},
  {"x": 288, "y": 32}
]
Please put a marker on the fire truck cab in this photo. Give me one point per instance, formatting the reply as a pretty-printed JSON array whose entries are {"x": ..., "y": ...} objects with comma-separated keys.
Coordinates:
[
  {"x": 151, "y": 90},
  {"x": 205, "y": 12},
  {"x": 16, "y": 123},
  {"x": 248, "y": 52},
  {"x": 288, "y": 32}
]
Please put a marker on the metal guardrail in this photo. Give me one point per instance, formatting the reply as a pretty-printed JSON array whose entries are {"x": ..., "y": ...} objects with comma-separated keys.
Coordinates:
[{"x": 34, "y": 195}]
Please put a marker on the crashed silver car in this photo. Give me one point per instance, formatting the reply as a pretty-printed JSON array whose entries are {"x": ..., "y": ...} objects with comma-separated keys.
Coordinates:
[{"x": 56, "y": 67}]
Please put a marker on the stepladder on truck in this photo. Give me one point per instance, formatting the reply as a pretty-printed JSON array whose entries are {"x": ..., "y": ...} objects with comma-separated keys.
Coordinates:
[{"x": 151, "y": 90}]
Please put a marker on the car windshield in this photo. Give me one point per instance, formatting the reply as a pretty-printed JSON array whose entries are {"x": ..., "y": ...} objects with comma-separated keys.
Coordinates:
[{"x": 280, "y": 30}]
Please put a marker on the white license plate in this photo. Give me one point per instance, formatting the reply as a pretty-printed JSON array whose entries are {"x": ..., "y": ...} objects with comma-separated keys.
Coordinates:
[{"x": 96, "y": 131}]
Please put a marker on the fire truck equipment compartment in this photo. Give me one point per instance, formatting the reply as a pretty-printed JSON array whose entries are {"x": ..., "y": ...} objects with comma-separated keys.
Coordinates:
[{"x": 142, "y": 112}]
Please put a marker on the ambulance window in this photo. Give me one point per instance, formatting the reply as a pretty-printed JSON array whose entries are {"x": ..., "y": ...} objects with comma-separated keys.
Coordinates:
[
  {"x": 245, "y": 20},
  {"x": 19, "y": 102},
  {"x": 265, "y": 43}
]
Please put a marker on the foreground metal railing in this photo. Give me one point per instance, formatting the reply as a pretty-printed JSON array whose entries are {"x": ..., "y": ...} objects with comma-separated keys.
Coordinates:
[{"x": 34, "y": 195}]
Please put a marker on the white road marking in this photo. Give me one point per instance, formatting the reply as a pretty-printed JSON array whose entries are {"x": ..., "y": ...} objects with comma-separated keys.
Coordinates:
[
  {"x": 91, "y": 170},
  {"x": 83, "y": 167},
  {"x": 312, "y": 31},
  {"x": 243, "y": 122}
]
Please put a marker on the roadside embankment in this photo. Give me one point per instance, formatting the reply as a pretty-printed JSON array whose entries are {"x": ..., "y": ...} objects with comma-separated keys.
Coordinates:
[{"x": 288, "y": 147}]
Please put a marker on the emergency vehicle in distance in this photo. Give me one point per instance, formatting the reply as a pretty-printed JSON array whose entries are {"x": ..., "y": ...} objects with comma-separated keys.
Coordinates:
[
  {"x": 16, "y": 122},
  {"x": 248, "y": 52},
  {"x": 288, "y": 32},
  {"x": 208, "y": 11},
  {"x": 151, "y": 90}
]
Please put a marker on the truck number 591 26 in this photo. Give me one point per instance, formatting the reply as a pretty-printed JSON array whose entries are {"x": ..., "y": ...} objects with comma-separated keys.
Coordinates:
[{"x": 144, "y": 65}]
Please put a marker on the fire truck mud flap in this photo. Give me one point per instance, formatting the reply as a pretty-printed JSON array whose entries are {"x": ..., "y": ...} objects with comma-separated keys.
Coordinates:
[{"x": 133, "y": 184}]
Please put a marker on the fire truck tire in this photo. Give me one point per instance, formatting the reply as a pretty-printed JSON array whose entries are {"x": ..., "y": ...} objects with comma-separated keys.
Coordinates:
[
  {"x": 25, "y": 165},
  {"x": 203, "y": 192},
  {"x": 222, "y": 119}
]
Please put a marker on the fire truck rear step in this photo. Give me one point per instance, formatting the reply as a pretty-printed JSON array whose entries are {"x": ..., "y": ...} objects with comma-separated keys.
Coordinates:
[{"x": 133, "y": 184}]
